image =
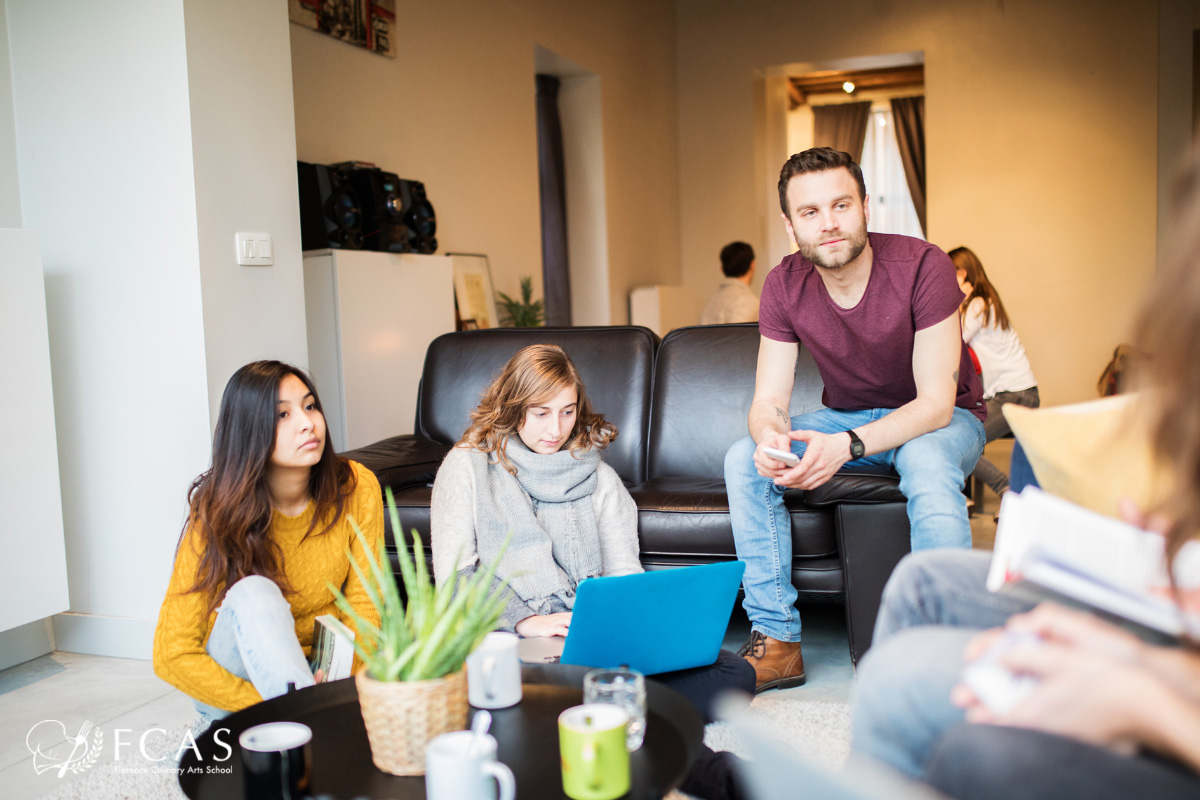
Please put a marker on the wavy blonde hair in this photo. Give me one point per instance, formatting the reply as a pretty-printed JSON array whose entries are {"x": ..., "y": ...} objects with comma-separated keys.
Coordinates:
[
  {"x": 534, "y": 375},
  {"x": 1168, "y": 344}
]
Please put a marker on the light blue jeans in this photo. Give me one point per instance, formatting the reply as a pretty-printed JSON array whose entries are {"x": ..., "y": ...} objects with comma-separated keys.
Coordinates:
[
  {"x": 932, "y": 469},
  {"x": 933, "y": 605},
  {"x": 254, "y": 638}
]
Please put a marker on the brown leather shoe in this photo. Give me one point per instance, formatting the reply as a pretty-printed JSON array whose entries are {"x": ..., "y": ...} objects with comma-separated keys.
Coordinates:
[{"x": 777, "y": 665}]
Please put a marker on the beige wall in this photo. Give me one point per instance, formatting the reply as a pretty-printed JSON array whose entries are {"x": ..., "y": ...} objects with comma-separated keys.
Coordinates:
[
  {"x": 455, "y": 109},
  {"x": 1041, "y": 123}
]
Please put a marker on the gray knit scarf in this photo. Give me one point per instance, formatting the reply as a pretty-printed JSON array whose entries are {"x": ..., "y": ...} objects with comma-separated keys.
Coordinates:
[{"x": 547, "y": 507}]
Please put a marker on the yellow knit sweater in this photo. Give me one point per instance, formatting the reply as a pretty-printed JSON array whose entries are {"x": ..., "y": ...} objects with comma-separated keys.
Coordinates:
[{"x": 183, "y": 627}]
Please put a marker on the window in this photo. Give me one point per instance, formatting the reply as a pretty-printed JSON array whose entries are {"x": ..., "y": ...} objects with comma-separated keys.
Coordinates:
[{"x": 891, "y": 204}]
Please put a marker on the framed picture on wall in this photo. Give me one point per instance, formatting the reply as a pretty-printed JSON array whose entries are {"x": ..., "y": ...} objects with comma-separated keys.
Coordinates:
[{"x": 473, "y": 290}]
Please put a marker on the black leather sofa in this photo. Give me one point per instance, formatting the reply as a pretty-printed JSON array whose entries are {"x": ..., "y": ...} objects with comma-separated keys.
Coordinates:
[{"x": 678, "y": 403}]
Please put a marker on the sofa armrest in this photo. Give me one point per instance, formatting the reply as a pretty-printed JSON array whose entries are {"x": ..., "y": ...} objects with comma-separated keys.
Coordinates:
[
  {"x": 401, "y": 461},
  {"x": 872, "y": 538},
  {"x": 857, "y": 487}
]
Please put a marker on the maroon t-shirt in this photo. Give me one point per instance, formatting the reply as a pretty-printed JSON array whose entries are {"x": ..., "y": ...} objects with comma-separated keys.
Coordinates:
[{"x": 864, "y": 353}]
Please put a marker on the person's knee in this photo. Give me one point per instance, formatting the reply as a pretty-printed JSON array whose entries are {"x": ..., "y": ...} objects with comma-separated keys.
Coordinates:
[
  {"x": 903, "y": 590},
  {"x": 739, "y": 458},
  {"x": 256, "y": 590}
]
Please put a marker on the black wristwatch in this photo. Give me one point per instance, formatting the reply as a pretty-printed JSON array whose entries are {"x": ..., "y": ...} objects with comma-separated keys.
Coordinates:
[{"x": 857, "y": 448}]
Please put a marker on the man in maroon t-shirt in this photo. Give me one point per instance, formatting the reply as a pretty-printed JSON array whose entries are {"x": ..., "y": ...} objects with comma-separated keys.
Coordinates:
[{"x": 879, "y": 313}]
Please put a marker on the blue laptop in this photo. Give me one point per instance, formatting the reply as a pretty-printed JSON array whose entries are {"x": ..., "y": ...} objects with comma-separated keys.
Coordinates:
[{"x": 654, "y": 621}]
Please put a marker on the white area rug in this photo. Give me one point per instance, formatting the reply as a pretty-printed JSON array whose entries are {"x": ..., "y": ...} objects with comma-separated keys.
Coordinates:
[{"x": 821, "y": 731}]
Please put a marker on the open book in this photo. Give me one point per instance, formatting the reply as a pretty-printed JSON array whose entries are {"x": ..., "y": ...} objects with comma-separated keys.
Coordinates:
[
  {"x": 1096, "y": 560},
  {"x": 332, "y": 648}
]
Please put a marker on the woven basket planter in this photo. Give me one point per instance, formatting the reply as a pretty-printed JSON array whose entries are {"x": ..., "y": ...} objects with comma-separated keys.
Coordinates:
[{"x": 402, "y": 716}]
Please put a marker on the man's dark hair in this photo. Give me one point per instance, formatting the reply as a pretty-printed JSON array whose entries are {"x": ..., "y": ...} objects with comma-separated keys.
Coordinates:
[
  {"x": 736, "y": 258},
  {"x": 818, "y": 159}
]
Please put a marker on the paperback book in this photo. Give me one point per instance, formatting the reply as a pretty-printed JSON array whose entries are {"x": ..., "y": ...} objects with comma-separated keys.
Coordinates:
[
  {"x": 1095, "y": 560},
  {"x": 332, "y": 648}
]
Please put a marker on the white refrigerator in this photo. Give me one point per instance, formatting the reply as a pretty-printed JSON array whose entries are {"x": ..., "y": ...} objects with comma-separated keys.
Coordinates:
[{"x": 371, "y": 317}]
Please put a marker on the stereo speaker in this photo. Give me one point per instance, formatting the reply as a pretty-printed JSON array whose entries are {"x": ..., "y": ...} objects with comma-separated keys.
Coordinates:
[
  {"x": 419, "y": 220},
  {"x": 330, "y": 211},
  {"x": 383, "y": 225}
]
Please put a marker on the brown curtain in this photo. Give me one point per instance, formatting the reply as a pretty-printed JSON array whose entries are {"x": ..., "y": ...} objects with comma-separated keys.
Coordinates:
[
  {"x": 908, "y": 113},
  {"x": 556, "y": 281},
  {"x": 842, "y": 127}
]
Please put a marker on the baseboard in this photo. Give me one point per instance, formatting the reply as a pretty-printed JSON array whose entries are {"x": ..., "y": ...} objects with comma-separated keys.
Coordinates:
[
  {"x": 117, "y": 637},
  {"x": 25, "y": 642}
]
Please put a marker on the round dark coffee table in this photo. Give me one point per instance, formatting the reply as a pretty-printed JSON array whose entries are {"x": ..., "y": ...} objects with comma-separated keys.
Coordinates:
[{"x": 527, "y": 734}]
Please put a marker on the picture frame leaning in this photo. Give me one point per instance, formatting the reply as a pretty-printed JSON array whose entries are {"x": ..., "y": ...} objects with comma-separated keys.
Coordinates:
[{"x": 473, "y": 293}]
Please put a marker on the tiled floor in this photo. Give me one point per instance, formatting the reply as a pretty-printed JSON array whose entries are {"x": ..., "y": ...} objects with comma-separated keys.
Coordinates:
[{"x": 73, "y": 689}]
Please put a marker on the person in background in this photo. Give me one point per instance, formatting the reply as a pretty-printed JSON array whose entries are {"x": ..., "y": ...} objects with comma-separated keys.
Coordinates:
[
  {"x": 1007, "y": 376},
  {"x": 268, "y": 526},
  {"x": 1111, "y": 716},
  {"x": 1112, "y": 378},
  {"x": 734, "y": 301}
]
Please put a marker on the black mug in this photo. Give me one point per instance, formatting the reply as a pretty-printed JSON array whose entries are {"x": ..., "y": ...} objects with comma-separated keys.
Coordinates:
[{"x": 276, "y": 761}]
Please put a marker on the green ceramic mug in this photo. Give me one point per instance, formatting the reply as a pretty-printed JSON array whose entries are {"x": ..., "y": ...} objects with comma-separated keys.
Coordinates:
[{"x": 595, "y": 761}]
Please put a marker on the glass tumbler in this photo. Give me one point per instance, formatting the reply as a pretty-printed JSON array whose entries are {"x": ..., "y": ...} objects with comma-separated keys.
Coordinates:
[{"x": 626, "y": 688}]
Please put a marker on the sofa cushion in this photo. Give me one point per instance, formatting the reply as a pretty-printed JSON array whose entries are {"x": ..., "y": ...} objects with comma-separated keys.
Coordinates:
[
  {"x": 616, "y": 364},
  {"x": 401, "y": 461},
  {"x": 690, "y": 517},
  {"x": 703, "y": 385}
]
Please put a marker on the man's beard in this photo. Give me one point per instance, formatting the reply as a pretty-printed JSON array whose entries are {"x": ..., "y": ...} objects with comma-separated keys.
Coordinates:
[{"x": 856, "y": 239}]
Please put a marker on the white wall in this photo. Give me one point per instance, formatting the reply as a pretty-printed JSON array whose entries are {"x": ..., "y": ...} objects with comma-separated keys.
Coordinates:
[
  {"x": 104, "y": 148},
  {"x": 10, "y": 195},
  {"x": 148, "y": 134},
  {"x": 244, "y": 157}
]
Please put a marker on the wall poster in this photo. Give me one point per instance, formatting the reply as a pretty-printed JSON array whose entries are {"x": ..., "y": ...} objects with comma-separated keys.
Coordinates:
[{"x": 364, "y": 23}]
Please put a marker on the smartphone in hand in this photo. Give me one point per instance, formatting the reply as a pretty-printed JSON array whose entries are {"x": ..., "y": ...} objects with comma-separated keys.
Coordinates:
[{"x": 786, "y": 456}]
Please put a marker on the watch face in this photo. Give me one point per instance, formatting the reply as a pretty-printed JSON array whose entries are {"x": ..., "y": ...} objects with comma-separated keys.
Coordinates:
[{"x": 857, "y": 448}]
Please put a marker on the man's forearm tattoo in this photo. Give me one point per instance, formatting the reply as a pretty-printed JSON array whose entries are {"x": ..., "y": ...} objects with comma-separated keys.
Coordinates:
[
  {"x": 956, "y": 376},
  {"x": 783, "y": 415}
]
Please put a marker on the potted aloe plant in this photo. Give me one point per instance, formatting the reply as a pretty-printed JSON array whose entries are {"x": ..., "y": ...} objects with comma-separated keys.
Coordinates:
[{"x": 412, "y": 686}]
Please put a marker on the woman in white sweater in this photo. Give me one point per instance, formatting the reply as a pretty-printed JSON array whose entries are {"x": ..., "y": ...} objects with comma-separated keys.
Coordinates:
[
  {"x": 1007, "y": 376},
  {"x": 529, "y": 465}
]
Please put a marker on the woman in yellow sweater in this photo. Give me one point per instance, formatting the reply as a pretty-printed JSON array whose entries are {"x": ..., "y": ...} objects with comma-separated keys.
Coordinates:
[{"x": 268, "y": 526}]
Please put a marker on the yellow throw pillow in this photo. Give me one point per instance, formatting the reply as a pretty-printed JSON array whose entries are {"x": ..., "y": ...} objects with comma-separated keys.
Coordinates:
[{"x": 1092, "y": 453}]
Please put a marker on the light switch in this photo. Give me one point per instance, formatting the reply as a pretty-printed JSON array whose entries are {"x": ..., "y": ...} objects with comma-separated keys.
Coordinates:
[{"x": 254, "y": 249}]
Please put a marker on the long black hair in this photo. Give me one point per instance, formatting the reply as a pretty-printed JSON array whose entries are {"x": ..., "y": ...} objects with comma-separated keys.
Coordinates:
[{"x": 229, "y": 504}]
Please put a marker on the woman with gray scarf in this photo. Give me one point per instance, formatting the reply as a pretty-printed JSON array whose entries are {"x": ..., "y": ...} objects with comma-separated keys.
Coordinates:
[{"x": 529, "y": 465}]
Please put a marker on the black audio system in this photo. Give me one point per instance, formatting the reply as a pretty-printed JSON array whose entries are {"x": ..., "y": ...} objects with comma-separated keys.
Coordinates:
[
  {"x": 330, "y": 212},
  {"x": 358, "y": 205}
]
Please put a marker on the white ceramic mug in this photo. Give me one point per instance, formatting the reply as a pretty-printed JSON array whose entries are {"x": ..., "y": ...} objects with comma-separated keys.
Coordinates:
[
  {"x": 494, "y": 672},
  {"x": 453, "y": 772}
]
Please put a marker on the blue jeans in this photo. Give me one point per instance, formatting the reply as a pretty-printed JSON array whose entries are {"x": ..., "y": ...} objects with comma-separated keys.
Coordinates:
[
  {"x": 254, "y": 638},
  {"x": 934, "y": 603},
  {"x": 932, "y": 468}
]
